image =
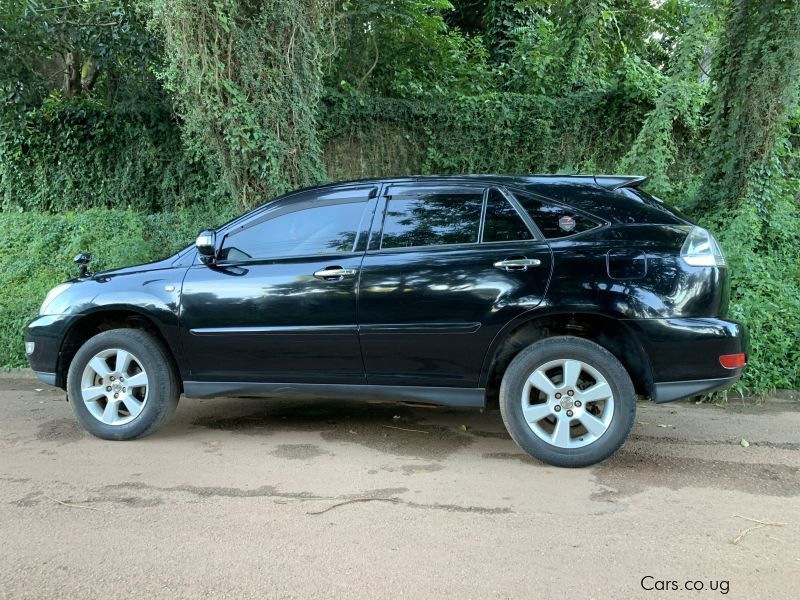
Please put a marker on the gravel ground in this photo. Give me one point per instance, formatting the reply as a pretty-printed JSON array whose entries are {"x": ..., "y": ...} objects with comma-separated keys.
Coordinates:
[{"x": 243, "y": 497}]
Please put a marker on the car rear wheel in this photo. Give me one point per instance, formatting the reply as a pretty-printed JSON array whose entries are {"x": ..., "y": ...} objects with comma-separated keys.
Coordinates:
[
  {"x": 122, "y": 385},
  {"x": 567, "y": 401}
]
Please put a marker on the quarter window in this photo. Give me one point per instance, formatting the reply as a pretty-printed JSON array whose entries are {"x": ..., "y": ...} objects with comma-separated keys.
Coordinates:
[
  {"x": 503, "y": 223},
  {"x": 553, "y": 220},
  {"x": 429, "y": 219},
  {"x": 305, "y": 231}
]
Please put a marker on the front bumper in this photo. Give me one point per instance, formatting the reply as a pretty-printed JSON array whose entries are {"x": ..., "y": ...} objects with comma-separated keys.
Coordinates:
[
  {"x": 46, "y": 333},
  {"x": 684, "y": 354}
]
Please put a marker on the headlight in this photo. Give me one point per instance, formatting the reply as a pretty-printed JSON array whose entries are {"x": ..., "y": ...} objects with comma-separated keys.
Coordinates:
[
  {"x": 701, "y": 249},
  {"x": 52, "y": 295}
]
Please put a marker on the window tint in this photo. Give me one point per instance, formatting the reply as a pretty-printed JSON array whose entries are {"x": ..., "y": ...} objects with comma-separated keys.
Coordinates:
[
  {"x": 306, "y": 231},
  {"x": 503, "y": 223},
  {"x": 555, "y": 221},
  {"x": 430, "y": 219}
]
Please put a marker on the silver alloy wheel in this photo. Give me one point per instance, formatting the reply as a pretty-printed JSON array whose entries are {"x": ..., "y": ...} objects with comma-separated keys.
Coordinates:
[
  {"x": 114, "y": 387},
  {"x": 567, "y": 403}
]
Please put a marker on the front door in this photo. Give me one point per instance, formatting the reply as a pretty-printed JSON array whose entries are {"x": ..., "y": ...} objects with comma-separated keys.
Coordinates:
[
  {"x": 280, "y": 303},
  {"x": 447, "y": 266}
]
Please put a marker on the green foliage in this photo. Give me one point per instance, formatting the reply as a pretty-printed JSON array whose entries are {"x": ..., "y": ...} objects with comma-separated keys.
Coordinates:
[
  {"x": 578, "y": 45},
  {"x": 756, "y": 71},
  {"x": 38, "y": 252},
  {"x": 765, "y": 268},
  {"x": 498, "y": 133},
  {"x": 86, "y": 48},
  {"x": 678, "y": 109},
  {"x": 76, "y": 154},
  {"x": 404, "y": 49},
  {"x": 246, "y": 79}
]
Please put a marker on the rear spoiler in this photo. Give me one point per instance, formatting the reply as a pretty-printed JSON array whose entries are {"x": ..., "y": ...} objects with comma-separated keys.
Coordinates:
[{"x": 615, "y": 182}]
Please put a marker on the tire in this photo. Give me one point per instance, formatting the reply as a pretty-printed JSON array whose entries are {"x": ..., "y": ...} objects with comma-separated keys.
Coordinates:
[
  {"x": 130, "y": 357},
  {"x": 535, "y": 410}
]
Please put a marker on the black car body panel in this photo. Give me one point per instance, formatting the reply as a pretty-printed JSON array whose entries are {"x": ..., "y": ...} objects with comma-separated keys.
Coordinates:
[{"x": 406, "y": 320}]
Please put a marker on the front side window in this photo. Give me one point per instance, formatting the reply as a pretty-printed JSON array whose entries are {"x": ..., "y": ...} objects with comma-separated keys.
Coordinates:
[
  {"x": 553, "y": 220},
  {"x": 503, "y": 223},
  {"x": 306, "y": 230},
  {"x": 432, "y": 219}
]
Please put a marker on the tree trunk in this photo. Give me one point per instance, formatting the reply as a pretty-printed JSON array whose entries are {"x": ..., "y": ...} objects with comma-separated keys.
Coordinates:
[
  {"x": 89, "y": 77},
  {"x": 72, "y": 74}
]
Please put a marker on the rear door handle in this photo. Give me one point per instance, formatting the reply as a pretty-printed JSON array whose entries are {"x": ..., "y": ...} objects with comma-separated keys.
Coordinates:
[
  {"x": 517, "y": 264},
  {"x": 334, "y": 273}
]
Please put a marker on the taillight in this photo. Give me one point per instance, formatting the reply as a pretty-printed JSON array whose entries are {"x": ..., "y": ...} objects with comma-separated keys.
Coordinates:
[
  {"x": 733, "y": 361},
  {"x": 701, "y": 249}
]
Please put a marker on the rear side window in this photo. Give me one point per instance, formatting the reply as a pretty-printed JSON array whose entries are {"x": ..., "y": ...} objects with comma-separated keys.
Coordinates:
[
  {"x": 553, "y": 220},
  {"x": 503, "y": 223},
  {"x": 432, "y": 219}
]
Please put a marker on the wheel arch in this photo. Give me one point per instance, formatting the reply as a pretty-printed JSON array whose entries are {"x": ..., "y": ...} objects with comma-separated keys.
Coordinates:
[
  {"x": 612, "y": 334},
  {"x": 106, "y": 319}
]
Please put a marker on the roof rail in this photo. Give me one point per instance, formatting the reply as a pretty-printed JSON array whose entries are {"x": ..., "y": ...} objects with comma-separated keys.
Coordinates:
[{"x": 614, "y": 182}]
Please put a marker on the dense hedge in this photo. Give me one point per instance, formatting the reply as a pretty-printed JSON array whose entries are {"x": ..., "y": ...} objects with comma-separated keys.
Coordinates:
[
  {"x": 72, "y": 155},
  {"x": 77, "y": 154},
  {"x": 494, "y": 133}
]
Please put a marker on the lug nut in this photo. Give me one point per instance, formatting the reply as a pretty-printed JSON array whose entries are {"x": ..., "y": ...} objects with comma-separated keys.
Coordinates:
[
  {"x": 558, "y": 408},
  {"x": 123, "y": 389},
  {"x": 577, "y": 402},
  {"x": 108, "y": 388},
  {"x": 111, "y": 378},
  {"x": 116, "y": 395},
  {"x": 558, "y": 396},
  {"x": 569, "y": 413},
  {"x": 571, "y": 393}
]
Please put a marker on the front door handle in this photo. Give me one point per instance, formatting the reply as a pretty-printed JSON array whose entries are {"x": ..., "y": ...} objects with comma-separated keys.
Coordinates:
[
  {"x": 334, "y": 273},
  {"x": 517, "y": 264}
]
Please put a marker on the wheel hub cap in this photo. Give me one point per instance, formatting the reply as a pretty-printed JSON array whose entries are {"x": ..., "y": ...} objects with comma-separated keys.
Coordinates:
[
  {"x": 114, "y": 387},
  {"x": 567, "y": 403}
]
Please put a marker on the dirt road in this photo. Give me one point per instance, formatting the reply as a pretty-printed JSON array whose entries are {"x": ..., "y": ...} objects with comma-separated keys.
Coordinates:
[{"x": 251, "y": 498}]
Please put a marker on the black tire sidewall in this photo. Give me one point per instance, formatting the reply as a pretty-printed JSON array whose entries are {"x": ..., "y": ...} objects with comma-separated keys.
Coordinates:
[
  {"x": 588, "y": 352},
  {"x": 162, "y": 387}
]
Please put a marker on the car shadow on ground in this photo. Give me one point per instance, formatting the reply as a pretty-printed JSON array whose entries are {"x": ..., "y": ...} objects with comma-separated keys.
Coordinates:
[{"x": 399, "y": 429}]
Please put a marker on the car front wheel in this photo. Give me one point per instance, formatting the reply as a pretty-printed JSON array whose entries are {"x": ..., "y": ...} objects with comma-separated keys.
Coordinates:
[
  {"x": 567, "y": 401},
  {"x": 122, "y": 385}
]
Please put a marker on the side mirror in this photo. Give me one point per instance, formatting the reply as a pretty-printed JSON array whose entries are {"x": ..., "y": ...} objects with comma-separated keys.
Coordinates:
[
  {"x": 82, "y": 260},
  {"x": 206, "y": 245}
]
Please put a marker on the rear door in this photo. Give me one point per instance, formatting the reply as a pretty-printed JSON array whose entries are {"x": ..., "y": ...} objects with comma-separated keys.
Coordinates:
[
  {"x": 446, "y": 267},
  {"x": 280, "y": 304}
]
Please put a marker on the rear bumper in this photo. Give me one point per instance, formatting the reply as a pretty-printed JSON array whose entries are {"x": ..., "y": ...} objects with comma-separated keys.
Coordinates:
[
  {"x": 667, "y": 391},
  {"x": 684, "y": 354}
]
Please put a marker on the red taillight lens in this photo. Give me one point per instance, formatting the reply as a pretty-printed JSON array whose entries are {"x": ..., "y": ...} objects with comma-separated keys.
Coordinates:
[{"x": 733, "y": 361}]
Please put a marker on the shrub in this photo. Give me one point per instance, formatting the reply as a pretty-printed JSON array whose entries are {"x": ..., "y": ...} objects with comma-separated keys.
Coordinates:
[{"x": 78, "y": 154}]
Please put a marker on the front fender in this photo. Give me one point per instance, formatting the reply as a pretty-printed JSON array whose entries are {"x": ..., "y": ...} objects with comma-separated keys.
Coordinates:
[{"x": 152, "y": 295}]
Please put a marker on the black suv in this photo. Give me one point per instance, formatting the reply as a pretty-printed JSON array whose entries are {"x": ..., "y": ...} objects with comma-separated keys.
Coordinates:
[{"x": 556, "y": 298}]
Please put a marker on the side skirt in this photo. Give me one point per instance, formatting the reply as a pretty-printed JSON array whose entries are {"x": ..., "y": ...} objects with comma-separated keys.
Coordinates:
[{"x": 444, "y": 396}]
